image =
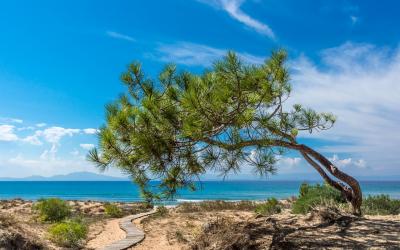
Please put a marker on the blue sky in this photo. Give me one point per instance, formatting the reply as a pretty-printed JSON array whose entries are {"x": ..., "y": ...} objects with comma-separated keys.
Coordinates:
[{"x": 60, "y": 63}]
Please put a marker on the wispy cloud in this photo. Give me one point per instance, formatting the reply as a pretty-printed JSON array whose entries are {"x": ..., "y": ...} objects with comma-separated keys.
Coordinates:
[
  {"x": 50, "y": 160},
  {"x": 26, "y": 128},
  {"x": 10, "y": 120},
  {"x": 90, "y": 131},
  {"x": 87, "y": 146},
  {"x": 233, "y": 8},
  {"x": 348, "y": 162},
  {"x": 117, "y": 35},
  {"x": 197, "y": 54},
  {"x": 53, "y": 135},
  {"x": 47, "y": 165},
  {"x": 7, "y": 133},
  {"x": 34, "y": 139},
  {"x": 360, "y": 84},
  {"x": 354, "y": 19}
]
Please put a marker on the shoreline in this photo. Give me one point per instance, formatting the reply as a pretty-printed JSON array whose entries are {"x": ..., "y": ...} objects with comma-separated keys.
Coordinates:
[
  {"x": 127, "y": 192},
  {"x": 183, "y": 226},
  {"x": 166, "y": 203}
]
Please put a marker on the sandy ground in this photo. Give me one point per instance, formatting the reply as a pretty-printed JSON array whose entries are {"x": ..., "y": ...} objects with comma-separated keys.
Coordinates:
[
  {"x": 177, "y": 230},
  {"x": 20, "y": 214},
  {"x": 17, "y": 216},
  {"x": 281, "y": 231},
  {"x": 180, "y": 229},
  {"x": 111, "y": 232}
]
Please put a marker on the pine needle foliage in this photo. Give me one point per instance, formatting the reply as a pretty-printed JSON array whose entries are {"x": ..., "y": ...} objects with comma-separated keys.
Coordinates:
[{"x": 177, "y": 127}]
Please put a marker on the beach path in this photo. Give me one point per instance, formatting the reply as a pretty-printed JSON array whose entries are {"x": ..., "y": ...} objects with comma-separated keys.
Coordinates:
[
  {"x": 111, "y": 232},
  {"x": 119, "y": 234}
]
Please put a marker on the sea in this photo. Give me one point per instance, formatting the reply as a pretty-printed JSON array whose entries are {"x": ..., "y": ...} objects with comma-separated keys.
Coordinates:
[{"x": 126, "y": 191}]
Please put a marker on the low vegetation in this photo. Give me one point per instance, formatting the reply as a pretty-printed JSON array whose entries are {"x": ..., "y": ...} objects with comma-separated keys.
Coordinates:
[
  {"x": 14, "y": 235},
  {"x": 112, "y": 210},
  {"x": 52, "y": 209},
  {"x": 225, "y": 233},
  {"x": 271, "y": 206},
  {"x": 161, "y": 211},
  {"x": 69, "y": 233},
  {"x": 312, "y": 196},
  {"x": 205, "y": 206},
  {"x": 380, "y": 204}
]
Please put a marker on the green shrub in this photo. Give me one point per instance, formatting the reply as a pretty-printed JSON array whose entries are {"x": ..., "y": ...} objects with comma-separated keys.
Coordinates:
[
  {"x": 217, "y": 205},
  {"x": 180, "y": 237},
  {"x": 161, "y": 211},
  {"x": 188, "y": 207},
  {"x": 315, "y": 195},
  {"x": 68, "y": 234},
  {"x": 304, "y": 188},
  {"x": 113, "y": 210},
  {"x": 226, "y": 205},
  {"x": 380, "y": 204},
  {"x": 52, "y": 209},
  {"x": 270, "y": 207}
]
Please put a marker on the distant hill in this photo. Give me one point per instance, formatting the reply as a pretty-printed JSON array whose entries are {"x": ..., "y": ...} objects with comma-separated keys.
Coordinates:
[
  {"x": 89, "y": 176},
  {"x": 77, "y": 176}
]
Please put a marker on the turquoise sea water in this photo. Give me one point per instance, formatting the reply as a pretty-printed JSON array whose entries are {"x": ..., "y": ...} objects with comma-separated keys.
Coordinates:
[{"x": 210, "y": 190}]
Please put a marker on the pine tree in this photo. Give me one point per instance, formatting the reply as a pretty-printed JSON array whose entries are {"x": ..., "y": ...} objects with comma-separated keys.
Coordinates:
[{"x": 181, "y": 125}]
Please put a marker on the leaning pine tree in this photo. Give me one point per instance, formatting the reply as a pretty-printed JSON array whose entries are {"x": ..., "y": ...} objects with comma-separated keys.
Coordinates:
[{"x": 181, "y": 125}]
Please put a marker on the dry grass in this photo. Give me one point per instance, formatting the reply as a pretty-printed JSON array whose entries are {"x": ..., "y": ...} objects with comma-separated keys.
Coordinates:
[
  {"x": 207, "y": 206},
  {"x": 20, "y": 223},
  {"x": 323, "y": 228}
]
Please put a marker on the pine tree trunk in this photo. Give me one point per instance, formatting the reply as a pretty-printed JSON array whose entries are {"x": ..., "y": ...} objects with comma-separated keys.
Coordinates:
[{"x": 351, "y": 191}]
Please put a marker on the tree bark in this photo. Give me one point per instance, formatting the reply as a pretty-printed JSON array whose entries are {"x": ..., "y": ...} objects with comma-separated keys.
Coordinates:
[{"x": 352, "y": 191}]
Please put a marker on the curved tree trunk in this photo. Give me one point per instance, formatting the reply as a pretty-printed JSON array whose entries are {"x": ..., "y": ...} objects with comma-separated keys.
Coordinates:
[
  {"x": 352, "y": 191},
  {"x": 347, "y": 185}
]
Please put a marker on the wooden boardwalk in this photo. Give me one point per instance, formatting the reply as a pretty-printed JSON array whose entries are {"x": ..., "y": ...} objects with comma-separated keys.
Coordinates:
[{"x": 133, "y": 234}]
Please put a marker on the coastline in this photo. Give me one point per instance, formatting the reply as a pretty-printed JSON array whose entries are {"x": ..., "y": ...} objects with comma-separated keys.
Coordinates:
[
  {"x": 179, "y": 227},
  {"x": 127, "y": 192}
]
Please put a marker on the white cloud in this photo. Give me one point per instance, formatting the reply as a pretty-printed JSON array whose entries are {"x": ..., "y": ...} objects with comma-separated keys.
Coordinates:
[
  {"x": 47, "y": 165},
  {"x": 289, "y": 162},
  {"x": 347, "y": 162},
  {"x": 360, "y": 84},
  {"x": 54, "y": 134},
  {"x": 7, "y": 133},
  {"x": 286, "y": 164},
  {"x": 49, "y": 161},
  {"x": 34, "y": 139},
  {"x": 340, "y": 162},
  {"x": 233, "y": 8},
  {"x": 49, "y": 154},
  {"x": 360, "y": 163},
  {"x": 25, "y": 128},
  {"x": 197, "y": 54},
  {"x": 10, "y": 120},
  {"x": 51, "y": 135},
  {"x": 86, "y": 146},
  {"x": 19, "y": 160},
  {"x": 117, "y": 35},
  {"x": 90, "y": 131},
  {"x": 75, "y": 152},
  {"x": 41, "y": 125}
]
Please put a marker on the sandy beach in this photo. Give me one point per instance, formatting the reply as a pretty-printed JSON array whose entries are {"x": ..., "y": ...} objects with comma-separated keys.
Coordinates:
[
  {"x": 191, "y": 227},
  {"x": 19, "y": 223},
  {"x": 244, "y": 230}
]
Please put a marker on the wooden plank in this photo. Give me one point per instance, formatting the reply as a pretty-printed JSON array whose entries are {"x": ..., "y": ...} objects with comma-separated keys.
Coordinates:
[{"x": 133, "y": 234}]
